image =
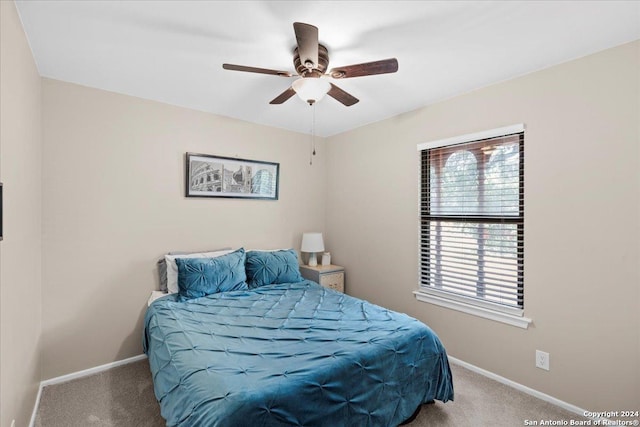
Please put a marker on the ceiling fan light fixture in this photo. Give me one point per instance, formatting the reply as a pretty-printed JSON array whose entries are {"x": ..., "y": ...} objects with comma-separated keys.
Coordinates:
[{"x": 310, "y": 89}]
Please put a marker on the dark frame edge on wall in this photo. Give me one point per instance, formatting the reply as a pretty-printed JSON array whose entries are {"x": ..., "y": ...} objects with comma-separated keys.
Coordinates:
[{"x": 1, "y": 217}]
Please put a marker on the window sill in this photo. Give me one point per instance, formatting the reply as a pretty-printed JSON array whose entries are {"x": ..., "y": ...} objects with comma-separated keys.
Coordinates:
[{"x": 486, "y": 313}]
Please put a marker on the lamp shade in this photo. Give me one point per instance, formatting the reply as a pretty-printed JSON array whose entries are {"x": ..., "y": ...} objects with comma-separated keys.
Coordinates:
[
  {"x": 312, "y": 242},
  {"x": 311, "y": 89}
]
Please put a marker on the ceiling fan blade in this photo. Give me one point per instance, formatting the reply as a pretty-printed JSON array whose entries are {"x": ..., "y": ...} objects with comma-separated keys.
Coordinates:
[
  {"x": 341, "y": 96},
  {"x": 283, "y": 96},
  {"x": 234, "y": 67},
  {"x": 367, "y": 69},
  {"x": 307, "y": 38}
]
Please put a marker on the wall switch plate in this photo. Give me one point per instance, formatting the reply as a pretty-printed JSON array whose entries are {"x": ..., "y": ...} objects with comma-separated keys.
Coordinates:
[{"x": 542, "y": 360}]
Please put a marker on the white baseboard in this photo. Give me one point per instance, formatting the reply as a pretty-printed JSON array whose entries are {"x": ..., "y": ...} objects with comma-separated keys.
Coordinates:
[
  {"x": 91, "y": 371},
  {"x": 79, "y": 374},
  {"x": 35, "y": 407},
  {"x": 535, "y": 393}
]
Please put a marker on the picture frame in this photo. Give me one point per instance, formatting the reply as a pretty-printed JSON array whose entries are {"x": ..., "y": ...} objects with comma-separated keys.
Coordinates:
[
  {"x": 1, "y": 220},
  {"x": 209, "y": 175}
]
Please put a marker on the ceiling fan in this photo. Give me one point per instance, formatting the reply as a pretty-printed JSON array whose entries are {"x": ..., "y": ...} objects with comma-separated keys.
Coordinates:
[{"x": 311, "y": 60}]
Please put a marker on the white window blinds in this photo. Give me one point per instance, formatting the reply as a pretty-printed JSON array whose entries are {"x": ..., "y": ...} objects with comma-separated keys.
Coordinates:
[{"x": 472, "y": 220}]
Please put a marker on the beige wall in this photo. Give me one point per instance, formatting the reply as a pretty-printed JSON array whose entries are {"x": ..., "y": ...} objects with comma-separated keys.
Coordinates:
[
  {"x": 20, "y": 251},
  {"x": 582, "y": 237},
  {"x": 113, "y": 203}
]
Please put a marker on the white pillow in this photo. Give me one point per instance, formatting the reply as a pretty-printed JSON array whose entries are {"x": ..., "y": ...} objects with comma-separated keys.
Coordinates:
[
  {"x": 172, "y": 267},
  {"x": 270, "y": 250}
]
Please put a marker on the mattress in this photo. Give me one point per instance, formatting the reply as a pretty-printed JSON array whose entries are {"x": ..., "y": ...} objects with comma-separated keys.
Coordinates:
[{"x": 290, "y": 355}]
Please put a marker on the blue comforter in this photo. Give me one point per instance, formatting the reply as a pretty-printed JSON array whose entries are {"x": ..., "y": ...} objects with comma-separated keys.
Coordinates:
[{"x": 293, "y": 354}]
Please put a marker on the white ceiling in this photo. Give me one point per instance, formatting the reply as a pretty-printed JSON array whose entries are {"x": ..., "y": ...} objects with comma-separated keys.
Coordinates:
[{"x": 173, "y": 51}]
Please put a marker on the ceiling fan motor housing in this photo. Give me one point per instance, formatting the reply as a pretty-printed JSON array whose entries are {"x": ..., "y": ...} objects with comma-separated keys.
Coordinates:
[{"x": 318, "y": 69}]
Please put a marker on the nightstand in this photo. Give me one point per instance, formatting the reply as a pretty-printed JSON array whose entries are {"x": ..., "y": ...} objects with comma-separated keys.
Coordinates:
[{"x": 329, "y": 276}]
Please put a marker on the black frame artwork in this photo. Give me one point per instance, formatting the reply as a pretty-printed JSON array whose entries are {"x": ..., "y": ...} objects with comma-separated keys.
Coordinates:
[
  {"x": 229, "y": 177},
  {"x": 1, "y": 219}
]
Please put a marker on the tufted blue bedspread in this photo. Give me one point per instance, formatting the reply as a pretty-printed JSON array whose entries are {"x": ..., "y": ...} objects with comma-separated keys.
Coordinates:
[{"x": 294, "y": 354}]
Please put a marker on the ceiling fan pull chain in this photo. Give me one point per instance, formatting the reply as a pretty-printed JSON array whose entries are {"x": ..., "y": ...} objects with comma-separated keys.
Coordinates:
[
  {"x": 313, "y": 130},
  {"x": 311, "y": 148}
]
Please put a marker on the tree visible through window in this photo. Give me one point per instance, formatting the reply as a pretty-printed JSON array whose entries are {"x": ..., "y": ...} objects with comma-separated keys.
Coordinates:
[{"x": 472, "y": 214}]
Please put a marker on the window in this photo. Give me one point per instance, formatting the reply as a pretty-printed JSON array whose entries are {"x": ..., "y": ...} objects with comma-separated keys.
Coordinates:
[{"x": 472, "y": 223}]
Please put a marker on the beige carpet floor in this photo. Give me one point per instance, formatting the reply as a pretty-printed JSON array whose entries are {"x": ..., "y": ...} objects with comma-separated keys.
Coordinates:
[{"x": 123, "y": 397}]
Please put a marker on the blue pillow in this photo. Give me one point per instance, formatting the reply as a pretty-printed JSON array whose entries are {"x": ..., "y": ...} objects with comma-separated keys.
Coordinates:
[
  {"x": 198, "y": 277},
  {"x": 273, "y": 267}
]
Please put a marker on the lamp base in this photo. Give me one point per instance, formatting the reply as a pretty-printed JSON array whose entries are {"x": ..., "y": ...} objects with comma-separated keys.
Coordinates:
[{"x": 313, "y": 261}]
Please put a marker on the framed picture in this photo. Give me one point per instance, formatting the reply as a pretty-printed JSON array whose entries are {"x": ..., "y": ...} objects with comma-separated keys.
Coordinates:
[
  {"x": 215, "y": 176},
  {"x": 1, "y": 211}
]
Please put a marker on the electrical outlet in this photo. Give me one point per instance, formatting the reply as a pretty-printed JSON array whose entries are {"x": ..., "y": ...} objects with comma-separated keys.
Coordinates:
[{"x": 542, "y": 360}]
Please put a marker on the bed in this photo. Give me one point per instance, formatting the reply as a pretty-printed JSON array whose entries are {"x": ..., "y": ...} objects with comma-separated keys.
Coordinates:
[{"x": 289, "y": 354}]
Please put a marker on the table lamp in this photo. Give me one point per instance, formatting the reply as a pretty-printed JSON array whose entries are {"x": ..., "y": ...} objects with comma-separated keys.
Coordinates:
[{"x": 312, "y": 243}]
